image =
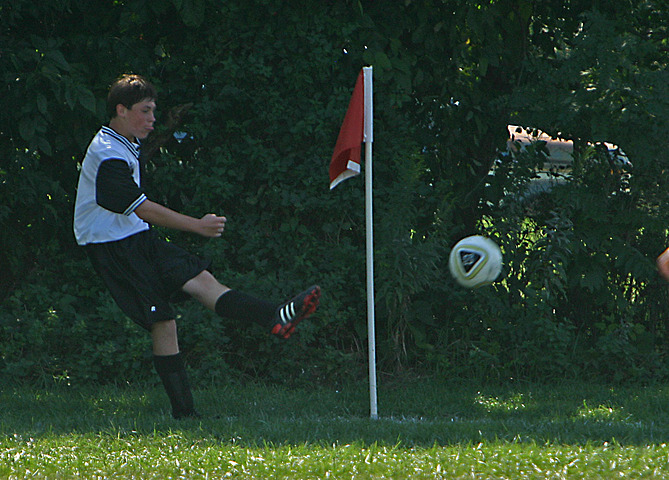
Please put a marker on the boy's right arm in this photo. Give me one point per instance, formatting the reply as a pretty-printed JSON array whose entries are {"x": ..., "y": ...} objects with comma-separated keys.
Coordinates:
[
  {"x": 117, "y": 191},
  {"x": 156, "y": 214}
]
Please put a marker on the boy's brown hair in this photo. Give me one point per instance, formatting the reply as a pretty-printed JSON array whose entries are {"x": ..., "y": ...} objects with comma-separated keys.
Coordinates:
[{"x": 128, "y": 90}]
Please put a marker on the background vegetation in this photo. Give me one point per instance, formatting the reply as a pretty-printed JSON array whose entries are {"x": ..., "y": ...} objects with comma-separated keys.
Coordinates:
[{"x": 262, "y": 87}]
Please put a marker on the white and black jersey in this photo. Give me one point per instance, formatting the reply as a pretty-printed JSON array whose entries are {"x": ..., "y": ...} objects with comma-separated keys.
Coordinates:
[
  {"x": 109, "y": 190},
  {"x": 143, "y": 272}
]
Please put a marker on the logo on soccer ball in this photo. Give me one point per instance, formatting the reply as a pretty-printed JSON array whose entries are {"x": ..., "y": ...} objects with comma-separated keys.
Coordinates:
[{"x": 469, "y": 259}]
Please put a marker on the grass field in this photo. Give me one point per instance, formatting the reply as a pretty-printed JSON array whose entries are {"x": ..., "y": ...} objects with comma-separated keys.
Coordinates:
[{"x": 426, "y": 430}]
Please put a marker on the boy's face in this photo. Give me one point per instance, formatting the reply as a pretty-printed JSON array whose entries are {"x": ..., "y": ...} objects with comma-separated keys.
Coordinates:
[{"x": 137, "y": 121}]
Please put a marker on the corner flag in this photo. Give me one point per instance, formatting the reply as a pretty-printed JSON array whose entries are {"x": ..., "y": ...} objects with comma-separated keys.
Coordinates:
[
  {"x": 356, "y": 129},
  {"x": 345, "y": 161}
]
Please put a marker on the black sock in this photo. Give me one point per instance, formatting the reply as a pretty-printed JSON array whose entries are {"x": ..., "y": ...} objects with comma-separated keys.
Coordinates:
[
  {"x": 240, "y": 306},
  {"x": 172, "y": 372}
]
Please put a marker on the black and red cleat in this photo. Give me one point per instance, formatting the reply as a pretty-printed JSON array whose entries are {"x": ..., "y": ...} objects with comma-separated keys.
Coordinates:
[{"x": 289, "y": 314}]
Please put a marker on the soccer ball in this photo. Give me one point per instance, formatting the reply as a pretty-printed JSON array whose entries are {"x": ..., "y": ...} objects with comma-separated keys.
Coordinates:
[{"x": 475, "y": 261}]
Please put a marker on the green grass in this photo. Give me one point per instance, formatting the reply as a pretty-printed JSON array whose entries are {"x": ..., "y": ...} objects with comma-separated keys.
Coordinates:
[{"x": 426, "y": 430}]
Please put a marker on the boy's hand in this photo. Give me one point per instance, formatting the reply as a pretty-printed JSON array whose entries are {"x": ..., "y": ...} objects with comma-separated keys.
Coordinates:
[
  {"x": 663, "y": 264},
  {"x": 212, "y": 225}
]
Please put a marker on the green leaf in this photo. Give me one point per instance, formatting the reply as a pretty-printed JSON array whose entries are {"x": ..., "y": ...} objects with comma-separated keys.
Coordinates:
[
  {"x": 483, "y": 65},
  {"x": 41, "y": 103},
  {"x": 87, "y": 99},
  {"x": 192, "y": 12},
  {"x": 44, "y": 146},
  {"x": 26, "y": 129},
  {"x": 382, "y": 60},
  {"x": 57, "y": 57},
  {"x": 70, "y": 98}
]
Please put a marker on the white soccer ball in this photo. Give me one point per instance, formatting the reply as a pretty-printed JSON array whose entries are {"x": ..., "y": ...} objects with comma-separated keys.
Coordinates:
[{"x": 475, "y": 261}]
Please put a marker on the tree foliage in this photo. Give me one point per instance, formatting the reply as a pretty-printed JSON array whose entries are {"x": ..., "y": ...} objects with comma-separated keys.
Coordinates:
[{"x": 266, "y": 86}]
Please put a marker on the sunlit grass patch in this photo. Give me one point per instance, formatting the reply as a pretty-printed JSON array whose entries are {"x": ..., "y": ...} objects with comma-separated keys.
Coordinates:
[
  {"x": 183, "y": 456},
  {"x": 516, "y": 401},
  {"x": 601, "y": 412}
]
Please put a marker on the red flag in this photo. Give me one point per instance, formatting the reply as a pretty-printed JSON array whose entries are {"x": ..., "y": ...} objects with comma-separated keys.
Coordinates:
[{"x": 345, "y": 161}]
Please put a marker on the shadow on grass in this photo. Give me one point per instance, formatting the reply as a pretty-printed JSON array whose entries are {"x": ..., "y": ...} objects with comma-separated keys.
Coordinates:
[{"x": 420, "y": 413}]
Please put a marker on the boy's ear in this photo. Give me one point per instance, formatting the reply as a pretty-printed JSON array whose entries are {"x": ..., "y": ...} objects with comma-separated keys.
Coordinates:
[{"x": 120, "y": 110}]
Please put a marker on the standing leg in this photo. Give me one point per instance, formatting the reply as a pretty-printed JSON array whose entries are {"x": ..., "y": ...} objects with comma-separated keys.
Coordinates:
[{"x": 171, "y": 369}]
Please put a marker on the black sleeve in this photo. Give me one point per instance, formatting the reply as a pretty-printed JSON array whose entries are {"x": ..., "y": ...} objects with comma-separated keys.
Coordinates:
[{"x": 115, "y": 188}]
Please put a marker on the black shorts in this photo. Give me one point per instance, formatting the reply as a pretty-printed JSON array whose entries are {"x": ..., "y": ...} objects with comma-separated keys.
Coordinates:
[{"x": 144, "y": 274}]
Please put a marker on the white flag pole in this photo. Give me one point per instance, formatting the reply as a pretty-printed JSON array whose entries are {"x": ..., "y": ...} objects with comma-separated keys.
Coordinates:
[{"x": 368, "y": 138}]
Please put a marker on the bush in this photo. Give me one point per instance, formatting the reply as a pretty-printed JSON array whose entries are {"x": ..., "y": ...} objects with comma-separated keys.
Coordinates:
[{"x": 267, "y": 88}]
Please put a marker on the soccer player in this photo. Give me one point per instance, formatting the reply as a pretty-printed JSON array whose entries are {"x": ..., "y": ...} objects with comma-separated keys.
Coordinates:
[{"x": 144, "y": 273}]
